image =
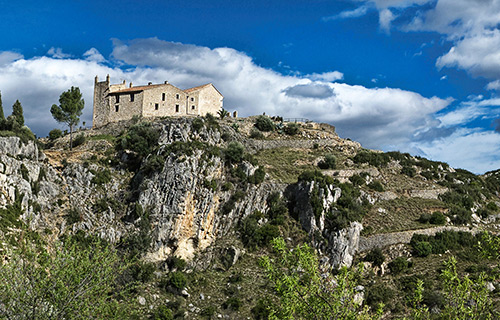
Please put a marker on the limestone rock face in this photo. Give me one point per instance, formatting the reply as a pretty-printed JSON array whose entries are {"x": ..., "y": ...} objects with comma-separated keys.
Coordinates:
[{"x": 341, "y": 245}]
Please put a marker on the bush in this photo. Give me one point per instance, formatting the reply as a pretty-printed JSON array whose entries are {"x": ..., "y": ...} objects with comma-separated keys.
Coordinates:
[
  {"x": 398, "y": 265},
  {"x": 261, "y": 310},
  {"x": 197, "y": 124},
  {"x": 232, "y": 303},
  {"x": 208, "y": 311},
  {"x": 79, "y": 140},
  {"x": 376, "y": 257},
  {"x": 234, "y": 152},
  {"x": 424, "y": 218},
  {"x": 176, "y": 263},
  {"x": 55, "y": 134},
  {"x": 492, "y": 206},
  {"x": 141, "y": 138},
  {"x": 437, "y": 218},
  {"x": 409, "y": 171},
  {"x": 263, "y": 123},
  {"x": 422, "y": 249},
  {"x": 256, "y": 134},
  {"x": 258, "y": 176},
  {"x": 461, "y": 215},
  {"x": 101, "y": 177},
  {"x": 376, "y": 185},
  {"x": 177, "y": 280},
  {"x": 328, "y": 163},
  {"x": 162, "y": 313},
  {"x": 291, "y": 129},
  {"x": 379, "y": 293},
  {"x": 357, "y": 180}
]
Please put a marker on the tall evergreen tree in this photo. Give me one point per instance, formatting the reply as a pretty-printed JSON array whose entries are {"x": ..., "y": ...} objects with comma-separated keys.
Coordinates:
[
  {"x": 2, "y": 115},
  {"x": 69, "y": 110},
  {"x": 17, "y": 112}
]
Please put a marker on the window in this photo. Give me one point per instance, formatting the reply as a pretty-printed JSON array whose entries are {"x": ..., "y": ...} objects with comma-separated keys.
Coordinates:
[
  {"x": 193, "y": 107},
  {"x": 192, "y": 99},
  {"x": 177, "y": 96},
  {"x": 162, "y": 97},
  {"x": 117, "y": 98},
  {"x": 131, "y": 97},
  {"x": 156, "y": 106},
  {"x": 117, "y": 107},
  {"x": 176, "y": 108}
]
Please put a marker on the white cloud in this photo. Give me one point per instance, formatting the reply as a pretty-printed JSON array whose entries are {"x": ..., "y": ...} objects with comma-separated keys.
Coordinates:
[
  {"x": 347, "y": 14},
  {"x": 93, "y": 55},
  {"x": 376, "y": 117},
  {"x": 493, "y": 85},
  {"x": 473, "y": 149},
  {"x": 7, "y": 57},
  {"x": 57, "y": 53},
  {"x": 326, "y": 76},
  {"x": 443, "y": 78},
  {"x": 479, "y": 54},
  {"x": 385, "y": 19}
]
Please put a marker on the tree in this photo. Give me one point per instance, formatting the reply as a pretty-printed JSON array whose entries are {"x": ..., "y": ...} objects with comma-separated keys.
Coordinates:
[
  {"x": 2, "y": 115},
  {"x": 305, "y": 293},
  {"x": 69, "y": 110},
  {"x": 17, "y": 113},
  {"x": 77, "y": 281},
  {"x": 222, "y": 113}
]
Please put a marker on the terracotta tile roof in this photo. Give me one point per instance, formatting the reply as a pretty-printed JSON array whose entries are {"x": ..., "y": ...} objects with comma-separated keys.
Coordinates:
[
  {"x": 197, "y": 88},
  {"x": 139, "y": 88}
]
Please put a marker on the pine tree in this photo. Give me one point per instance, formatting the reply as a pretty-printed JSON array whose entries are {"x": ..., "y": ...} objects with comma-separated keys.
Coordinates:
[
  {"x": 17, "y": 112},
  {"x": 69, "y": 109}
]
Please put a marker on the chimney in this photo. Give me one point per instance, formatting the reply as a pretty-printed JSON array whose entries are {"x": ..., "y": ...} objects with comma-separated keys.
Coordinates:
[
  {"x": 150, "y": 83},
  {"x": 166, "y": 82},
  {"x": 130, "y": 85},
  {"x": 96, "y": 79},
  {"x": 107, "y": 78},
  {"x": 124, "y": 82}
]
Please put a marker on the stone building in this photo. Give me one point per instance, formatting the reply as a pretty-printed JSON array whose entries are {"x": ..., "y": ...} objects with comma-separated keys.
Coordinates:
[{"x": 115, "y": 102}]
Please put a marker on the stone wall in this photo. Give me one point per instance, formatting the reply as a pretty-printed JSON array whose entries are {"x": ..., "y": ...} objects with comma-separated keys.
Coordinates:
[{"x": 210, "y": 100}]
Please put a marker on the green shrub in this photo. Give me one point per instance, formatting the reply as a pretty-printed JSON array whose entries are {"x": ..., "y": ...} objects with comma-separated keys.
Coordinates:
[
  {"x": 176, "y": 263},
  {"x": 55, "y": 134},
  {"x": 141, "y": 138},
  {"x": 24, "y": 172},
  {"x": 376, "y": 257},
  {"x": 492, "y": 206},
  {"x": 375, "y": 159},
  {"x": 232, "y": 303},
  {"x": 227, "y": 186},
  {"x": 264, "y": 123},
  {"x": 101, "y": 177},
  {"x": 234, "y": 152},
  {"x": 162, "y": 313},
  {"x": 357, "y": 180},
  {"x": 328, "y": 163},
  {"x": 261, "y": 311},
  {"x": 291, "y": 129},
  {"x": 258, "y": 176},
  {"x": 256, "y": 134},
  {"x": 437, "y": 218},
  {"x": 73, "y": 216},
  {"x": 79, "y": 140},
  {"x": 422, "y": 249},
  {"x": 225, "y": 136},
  {"x": 142, "y": 271},
  {"x": 177, "y": 280},
  {"x": 461, "y": 215},
  {"x": 379, "y": 293},
  {"x": 398, "y": 265},
  {"x": 210, "y": 184},
  {"x": 376, "y": 185},
  {"x": 424, "y": 218},
  {"x": 433, "y": 299},
  {"x": 409, "y": 171},
  {"x": 208, "y": 312},
  {"x": 197, "y": 124}
]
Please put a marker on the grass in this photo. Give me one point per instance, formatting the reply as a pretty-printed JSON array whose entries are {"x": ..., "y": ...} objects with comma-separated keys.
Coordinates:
[
  {"x": 400, "y": 214},
  {"x": 286, "y": 164},
  {"x": 106, "y": 137}
]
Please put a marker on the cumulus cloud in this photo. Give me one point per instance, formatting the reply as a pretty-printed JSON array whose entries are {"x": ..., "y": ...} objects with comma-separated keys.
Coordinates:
[
  {"x": 378, "y": 117},
  {"x": 347, "y": 14},
  {"x": 473, "y": 149},
  {"x": 326, "y": 76},
  {"x": 313, "y": 90},
  {"x": 57, "y": 53},
  {"x": 385, "y": 19},
  {"x": 7, "y": 57}
]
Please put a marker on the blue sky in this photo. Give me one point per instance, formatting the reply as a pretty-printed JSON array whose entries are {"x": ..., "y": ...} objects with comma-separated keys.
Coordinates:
[{"x": 419, "y": 76}]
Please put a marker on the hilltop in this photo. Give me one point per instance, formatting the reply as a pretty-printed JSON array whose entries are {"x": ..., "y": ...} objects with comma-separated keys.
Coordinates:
[{"x": 192, "y": 204}]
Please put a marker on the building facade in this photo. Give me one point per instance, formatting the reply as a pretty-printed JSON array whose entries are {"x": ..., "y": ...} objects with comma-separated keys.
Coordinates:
[{"x": 115, "y": 102}]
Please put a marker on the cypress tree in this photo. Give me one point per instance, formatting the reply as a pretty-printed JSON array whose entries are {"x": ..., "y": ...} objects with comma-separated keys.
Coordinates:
[
  {"x": 2, "y": 116},
  {"x": 17, "y": 112}
]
